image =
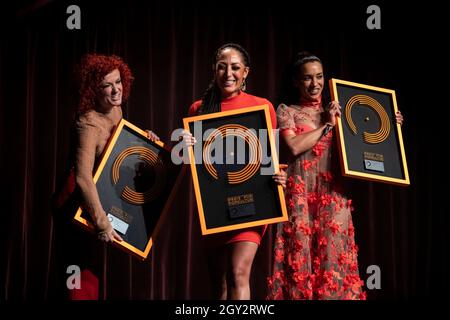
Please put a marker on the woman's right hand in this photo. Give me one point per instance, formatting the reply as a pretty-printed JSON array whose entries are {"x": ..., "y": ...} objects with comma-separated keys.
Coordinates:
[{"x": 334, "y": 109}]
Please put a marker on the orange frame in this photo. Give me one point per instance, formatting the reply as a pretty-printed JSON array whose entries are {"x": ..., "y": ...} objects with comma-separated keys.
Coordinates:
[
  {"x": 341, "y": 137},
  {"x": 127, "y": 247},
  {"x": 198, "y": 195}
]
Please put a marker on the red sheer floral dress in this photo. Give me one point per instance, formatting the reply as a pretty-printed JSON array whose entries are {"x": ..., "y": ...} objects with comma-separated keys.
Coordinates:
[{"x": 315, "y": 255}]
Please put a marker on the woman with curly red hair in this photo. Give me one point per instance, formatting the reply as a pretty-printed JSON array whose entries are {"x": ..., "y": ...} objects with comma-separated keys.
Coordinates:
[{"x": 105, "y": 83}]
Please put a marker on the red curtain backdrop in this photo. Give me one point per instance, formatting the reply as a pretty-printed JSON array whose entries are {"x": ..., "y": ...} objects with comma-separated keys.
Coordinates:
[{"x": 169, "y": 48}]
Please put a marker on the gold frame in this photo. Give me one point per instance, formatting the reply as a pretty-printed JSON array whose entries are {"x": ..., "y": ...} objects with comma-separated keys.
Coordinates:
[
  {"x": 198, "y": 195},
  {"x": 127, "y": 247},
  {"x": 341, "y": 137}
]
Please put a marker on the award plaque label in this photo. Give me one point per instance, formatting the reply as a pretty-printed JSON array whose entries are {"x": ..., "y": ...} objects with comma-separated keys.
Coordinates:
[
  {"x": 369, "y": 139},
  {"x": 241, "y": 206},
  {"x": 232, "y": 166},
  {"x": 135, "y": 180}
]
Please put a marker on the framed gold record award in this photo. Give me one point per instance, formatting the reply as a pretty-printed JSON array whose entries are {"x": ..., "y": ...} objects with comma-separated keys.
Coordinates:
[
  {"x": 370, "y": 141},
  {"x": 232, "y": 165},
  {"x": 136, "y": 181}
]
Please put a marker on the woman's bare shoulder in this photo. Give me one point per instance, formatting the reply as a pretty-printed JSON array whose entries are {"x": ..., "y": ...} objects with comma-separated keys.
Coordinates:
[
  {"x": 89, "y": 119},
  {"x": 89, "y": 123}
]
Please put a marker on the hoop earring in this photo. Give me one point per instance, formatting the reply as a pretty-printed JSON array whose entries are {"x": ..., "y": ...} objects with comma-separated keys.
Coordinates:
[{"x": 243, "y": 85}]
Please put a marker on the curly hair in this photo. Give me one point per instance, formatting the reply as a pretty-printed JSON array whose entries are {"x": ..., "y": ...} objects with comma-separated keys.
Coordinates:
[{"x": 93, "y": 68}]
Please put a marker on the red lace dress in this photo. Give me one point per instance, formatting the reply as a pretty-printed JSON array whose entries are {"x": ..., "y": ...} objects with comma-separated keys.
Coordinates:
[{"x": 315, "y": 255}]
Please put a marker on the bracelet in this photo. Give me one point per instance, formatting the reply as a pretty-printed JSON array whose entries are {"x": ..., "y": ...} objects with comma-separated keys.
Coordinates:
[
  {"x": 327, "y": 129},
  {"x": 102, "y": 235}
]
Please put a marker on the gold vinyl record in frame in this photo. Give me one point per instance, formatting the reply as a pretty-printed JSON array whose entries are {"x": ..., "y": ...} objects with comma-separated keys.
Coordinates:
[
  {"x": 370, "y": 140},
  {"x": 232, "y": 165},
  {"x": 136, "y": 180}
]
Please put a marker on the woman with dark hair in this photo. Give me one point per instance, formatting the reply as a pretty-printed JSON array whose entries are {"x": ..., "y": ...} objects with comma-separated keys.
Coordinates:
[
  {"x": 231, "y": 254},
  {"x": 315, "y": 255},
  {"x": 104, "y": 84}
]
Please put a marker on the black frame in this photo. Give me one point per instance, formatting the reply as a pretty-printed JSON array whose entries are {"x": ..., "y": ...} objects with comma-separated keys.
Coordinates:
[
  {"x": 370, "y": 140},
  {"x": 241, "y": 197},
  {"x": 136, "y": 181}
]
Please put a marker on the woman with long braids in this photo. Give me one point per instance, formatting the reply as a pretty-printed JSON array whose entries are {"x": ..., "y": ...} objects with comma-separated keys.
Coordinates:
[{"x": 231, "y": 254}]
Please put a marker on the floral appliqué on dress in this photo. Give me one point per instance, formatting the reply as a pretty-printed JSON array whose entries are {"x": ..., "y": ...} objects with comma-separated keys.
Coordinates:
[{"x": 315, "y": 255}]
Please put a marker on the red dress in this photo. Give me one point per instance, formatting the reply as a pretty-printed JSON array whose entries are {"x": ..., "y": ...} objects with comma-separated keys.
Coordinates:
[{"x": 242, "y": 100}]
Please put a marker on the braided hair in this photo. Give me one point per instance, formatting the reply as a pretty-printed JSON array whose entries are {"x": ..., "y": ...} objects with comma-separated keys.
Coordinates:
[{"x": 212, "y": 98}]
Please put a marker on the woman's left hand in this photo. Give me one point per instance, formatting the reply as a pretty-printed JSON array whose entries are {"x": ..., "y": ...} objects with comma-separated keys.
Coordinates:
[
  {"x": 281, "y": 177},
  {"x": 399, "y": 117},
  {"x": 152, "y": 136}
]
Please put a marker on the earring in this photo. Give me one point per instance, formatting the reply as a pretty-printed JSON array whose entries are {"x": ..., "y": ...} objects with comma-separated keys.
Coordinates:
[{"x": 243, "y": 85}]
